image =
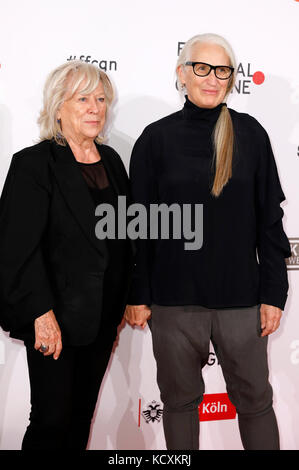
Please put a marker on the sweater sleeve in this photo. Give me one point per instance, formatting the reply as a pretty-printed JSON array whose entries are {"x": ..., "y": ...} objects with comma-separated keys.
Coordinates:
[
  {"x": 25, "y": 290},
  {"x": 272, "y": 243},
  {"x": 143, "y": 191}
]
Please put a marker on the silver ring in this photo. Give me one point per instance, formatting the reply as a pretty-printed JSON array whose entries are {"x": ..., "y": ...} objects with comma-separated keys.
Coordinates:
[{"x": 44, "y": 348}]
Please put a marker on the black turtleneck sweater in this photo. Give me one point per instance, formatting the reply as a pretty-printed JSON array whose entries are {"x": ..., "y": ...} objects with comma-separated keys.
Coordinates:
[{"x": 242, "y": 258}]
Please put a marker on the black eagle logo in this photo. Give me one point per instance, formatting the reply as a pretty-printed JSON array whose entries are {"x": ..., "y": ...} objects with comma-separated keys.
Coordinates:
[{"x": 153, "y": 412}]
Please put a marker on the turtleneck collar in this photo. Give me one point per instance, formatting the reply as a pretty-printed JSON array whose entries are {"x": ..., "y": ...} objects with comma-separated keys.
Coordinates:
[{"x": 191, "y": 111}]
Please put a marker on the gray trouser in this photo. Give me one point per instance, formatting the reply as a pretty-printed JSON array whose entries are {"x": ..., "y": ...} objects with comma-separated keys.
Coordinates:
[{"x": 181, "y": 338}]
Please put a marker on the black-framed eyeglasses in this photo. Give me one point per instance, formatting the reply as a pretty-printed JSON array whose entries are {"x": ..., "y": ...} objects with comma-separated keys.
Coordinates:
[{"x": 201, "y": 69}]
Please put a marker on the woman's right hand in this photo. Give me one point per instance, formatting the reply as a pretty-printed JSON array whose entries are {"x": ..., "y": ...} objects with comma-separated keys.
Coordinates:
[
  {"x": 47, "y": 333},
  {"x": 137, "y": 315}
]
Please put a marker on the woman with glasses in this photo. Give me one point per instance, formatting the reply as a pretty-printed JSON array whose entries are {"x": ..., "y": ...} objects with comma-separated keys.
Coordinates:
[{"x": 233, "y": 289}]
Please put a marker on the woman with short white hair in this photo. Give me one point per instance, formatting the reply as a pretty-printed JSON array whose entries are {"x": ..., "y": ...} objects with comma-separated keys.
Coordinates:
[
  {"x": 63, "y": 290},
  {"x": 209, "y": 154}
]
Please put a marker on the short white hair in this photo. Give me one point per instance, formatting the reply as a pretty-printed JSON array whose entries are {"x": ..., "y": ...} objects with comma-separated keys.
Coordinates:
[
  {"x": 209, "y": 38},
  {"x": 58, "y": 84}
]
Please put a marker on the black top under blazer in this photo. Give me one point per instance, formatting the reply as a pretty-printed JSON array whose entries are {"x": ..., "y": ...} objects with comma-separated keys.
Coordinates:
[{"x": 50, "y": 257}]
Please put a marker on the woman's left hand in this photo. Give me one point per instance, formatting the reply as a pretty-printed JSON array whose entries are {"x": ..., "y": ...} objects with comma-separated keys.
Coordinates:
[{"x": 270, "y": 319}]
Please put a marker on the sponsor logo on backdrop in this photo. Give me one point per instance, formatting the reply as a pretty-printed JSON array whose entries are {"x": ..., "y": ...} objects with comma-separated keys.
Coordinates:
[
  {"x": 103, "y": 64},
  {"x": 293, "y": 261},
  {"x": 245, "y": 75},
  {"x": 212, "y": 359},
  {"x": 216, "y": 406},
  {"x": 153, "y": 412}
]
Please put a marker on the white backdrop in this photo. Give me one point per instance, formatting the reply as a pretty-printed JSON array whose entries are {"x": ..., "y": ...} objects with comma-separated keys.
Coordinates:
[{"x": 137, "y": 41}]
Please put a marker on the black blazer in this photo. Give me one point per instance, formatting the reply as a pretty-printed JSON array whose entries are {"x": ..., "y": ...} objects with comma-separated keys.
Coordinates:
[{"x": 50, "y": 257}]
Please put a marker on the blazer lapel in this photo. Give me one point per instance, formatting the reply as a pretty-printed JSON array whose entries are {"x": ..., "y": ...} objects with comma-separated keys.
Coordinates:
[{"x": 76, "y": 193}]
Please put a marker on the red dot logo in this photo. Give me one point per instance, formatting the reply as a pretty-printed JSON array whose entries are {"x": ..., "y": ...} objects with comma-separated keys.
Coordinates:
[{"x": 258, "y": 78}]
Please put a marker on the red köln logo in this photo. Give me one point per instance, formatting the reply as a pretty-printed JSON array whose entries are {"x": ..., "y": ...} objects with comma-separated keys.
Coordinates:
[{"x": 216, "y": 406}]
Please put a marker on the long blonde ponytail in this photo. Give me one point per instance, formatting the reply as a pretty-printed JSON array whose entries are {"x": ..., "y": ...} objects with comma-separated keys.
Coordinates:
[{"x": 223, "y": 151}]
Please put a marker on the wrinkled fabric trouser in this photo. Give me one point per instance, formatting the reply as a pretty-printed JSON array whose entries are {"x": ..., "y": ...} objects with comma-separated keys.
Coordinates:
[
  {"x": 64, "y": 394},
  {"x": 181, "y": 338}
]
